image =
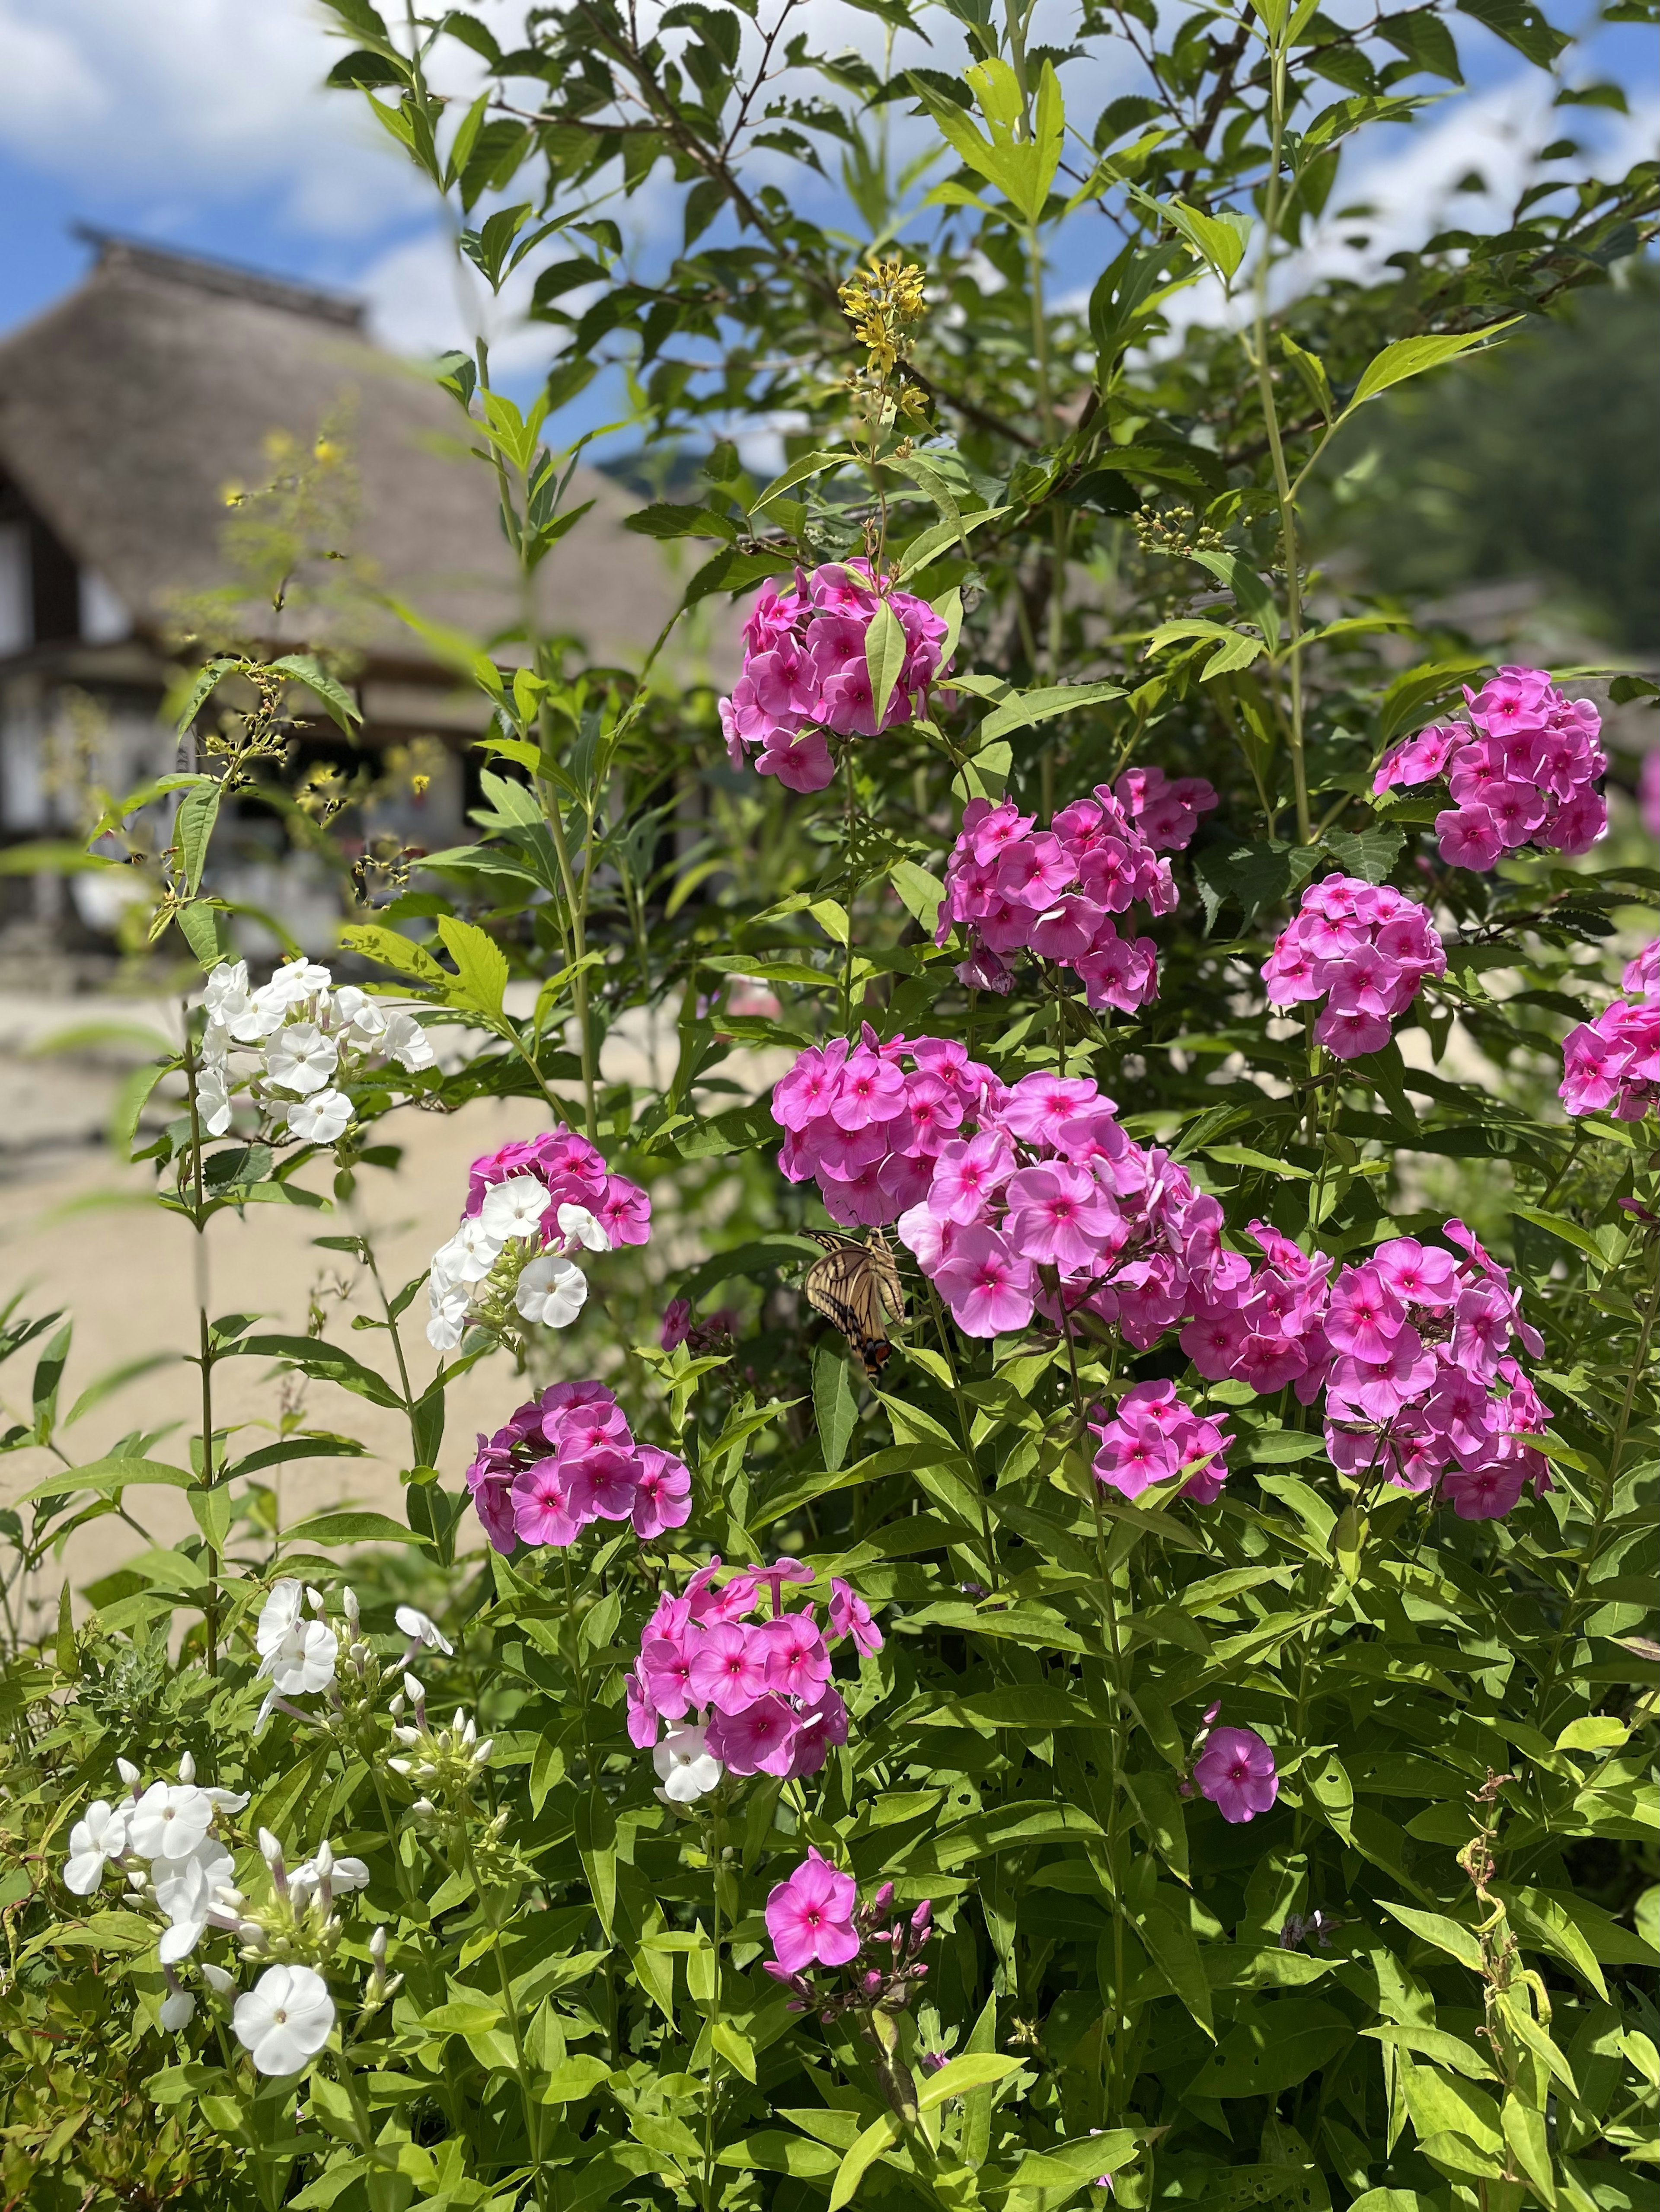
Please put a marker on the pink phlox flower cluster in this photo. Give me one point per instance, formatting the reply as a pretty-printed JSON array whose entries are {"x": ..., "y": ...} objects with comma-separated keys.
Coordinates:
[
  {"x": 1012, "y": 888},
  {"x": 1152, "y": 1437},
  {"x": 804, "y": 676},
  {"x": 1166, "y": 812},
  {"x": 1262, "y": 1325},
  {"x": 568, "y": 1458},
  {"x": 1612, "y": 1064},
  {"x": 1048, "y": 1199},
  {"x": 575, "y": 1173},
  {"x": 1412, "y": 1351},
  {"x": 867, "y": 1129},
  {"x": 815, "y": 1919},
  {"x": 1365, "y": 948},
  {"x": 1521, "y": 771},
  {"x": 758, "y": 1692}
]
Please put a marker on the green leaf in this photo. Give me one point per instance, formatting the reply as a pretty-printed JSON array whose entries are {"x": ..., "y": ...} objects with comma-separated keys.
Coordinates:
[
  {"x": 327, "y": 1362},
  {"x": 1524, "y": 2131},
  {"x": 1458, "y": 1942},
  {"x": 1409, "y": 357},
  {"x": 970, "y": 2071},
  {"x": 921, "y": 892},
  {"x": 334, "y": 698},
  {"x": 664, "y": 521},
  {"x": 885, "y": 648},
  {"x": 109, "y": 1476},
  {"x": 198, "y": 809},
  {"x": 1279, "y": 2044},
  {"x": 880, "y": 2136},
  {"x": 1167, "y": 1931},
  {"x": 1219, "y": 241},
  {"x": 351, "y": 1527},
  {"x": 834, "y": 1403},
  {"x": 1520, "y": 24},
  {"x": 481, "y": 978},
  {"x": 202, "y": 687},
  {"x": 393, "y": 950},
  {"x": 1025, "y": 710}
]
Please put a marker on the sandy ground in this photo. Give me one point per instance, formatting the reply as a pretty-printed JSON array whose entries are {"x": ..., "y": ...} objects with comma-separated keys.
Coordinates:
[{"x": 79, "y": 1232}]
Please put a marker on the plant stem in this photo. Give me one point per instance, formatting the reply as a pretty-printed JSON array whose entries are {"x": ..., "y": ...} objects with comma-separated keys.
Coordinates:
[
  {"x": 1285, "y": 494},
  {"x": 204, "y": 1348},
  {"x": 711, "y": 2081},
  {"x": 515, "y": 2029}
]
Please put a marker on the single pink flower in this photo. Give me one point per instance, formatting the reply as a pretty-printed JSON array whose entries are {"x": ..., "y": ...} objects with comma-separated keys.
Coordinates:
[
  {"x": 728, "y": 1669},
  {"x": 662, "y": 1493},
  {"x": 849, "y": 1615},
  {"x": 756, "y": 1739},
  {"x": 544, "y": 1509},
  {"x": 810, "y": 1917},
  {"x": 1235, "y": 1771}
]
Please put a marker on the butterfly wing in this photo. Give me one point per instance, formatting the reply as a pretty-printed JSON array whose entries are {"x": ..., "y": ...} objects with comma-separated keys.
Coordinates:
[{"x": 856, "y": 1288}]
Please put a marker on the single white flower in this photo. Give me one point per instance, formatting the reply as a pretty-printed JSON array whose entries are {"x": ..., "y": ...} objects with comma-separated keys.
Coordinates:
[
  {"x": 227, "y": 986},
  {"x": 177, "y": 2009},
  {"x": 304, "y": 1660},
  {"x": 424, "y": 1630},
  {"x": 284, "y": 2020},
  {"x": 446, "y": 1323},
  {"x": 578, "y": 1226},
  {"x": 551, "y": 1291},
  {"x": 321, "y": 1119},
  {"x": 217, "y": 1979},
  {"x": 192, "y": 1895},
  {"x": 215, "y": 1044},
  {"x": 230, "y": 1006},
  {"x": 132, "y": 1775},
  {"x": 407, "y": 1043},
  {"x": 296, "y": 982},
  {"x": 301, "y": 1058},
  {"x": 278, "y": 1614},
  {"x": 169, "y": 1820},
  {"x": 471, "y": 1253},
  {"x": 343, "y": 1875},
  {"x": 360, "y": 1017},
  {"x": 515, "y": 1208},
  {"x": 686, "y": 1767},
  {"x": 213, "y": 1100},
  {"x": 101, "y": 1834},
  {"x": 181, "y": 1885}
]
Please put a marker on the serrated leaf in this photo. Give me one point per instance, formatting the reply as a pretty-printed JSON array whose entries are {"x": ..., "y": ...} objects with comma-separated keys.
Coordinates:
[
  {"x": 1409, "y": 357},
  {"x": 480, "y": 984}
]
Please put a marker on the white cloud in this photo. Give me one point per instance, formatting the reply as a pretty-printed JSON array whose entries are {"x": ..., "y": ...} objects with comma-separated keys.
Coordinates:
[
  {"x": 189, "y": 102},
  {"x": 1408, "y": 178}
]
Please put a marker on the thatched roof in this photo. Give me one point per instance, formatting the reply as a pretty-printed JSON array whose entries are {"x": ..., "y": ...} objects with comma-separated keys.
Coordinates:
[{"x": 126, "y": 409}]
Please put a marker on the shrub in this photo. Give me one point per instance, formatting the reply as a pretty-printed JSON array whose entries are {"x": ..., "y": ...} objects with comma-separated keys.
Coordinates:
[{"x": 1118, "y": 1667}]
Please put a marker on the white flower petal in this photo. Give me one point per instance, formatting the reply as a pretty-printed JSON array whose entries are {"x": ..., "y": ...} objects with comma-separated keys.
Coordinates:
[{"x": 551, "y": 1291}]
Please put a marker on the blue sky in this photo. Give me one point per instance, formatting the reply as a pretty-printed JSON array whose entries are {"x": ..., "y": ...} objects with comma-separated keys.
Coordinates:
[{"x": 202, "y": 125}]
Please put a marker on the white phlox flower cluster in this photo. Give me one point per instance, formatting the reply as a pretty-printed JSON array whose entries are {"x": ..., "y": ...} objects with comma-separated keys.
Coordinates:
[
  {"x": 300, "y": 1650},
  {"x": 437, "y": 1754},
  {"x": 299, "y": 1654},
  {"x": 163, "y": 1840},
  {"x": 511, "y": 1257},
  {"x": 311, "y": 1037}
]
